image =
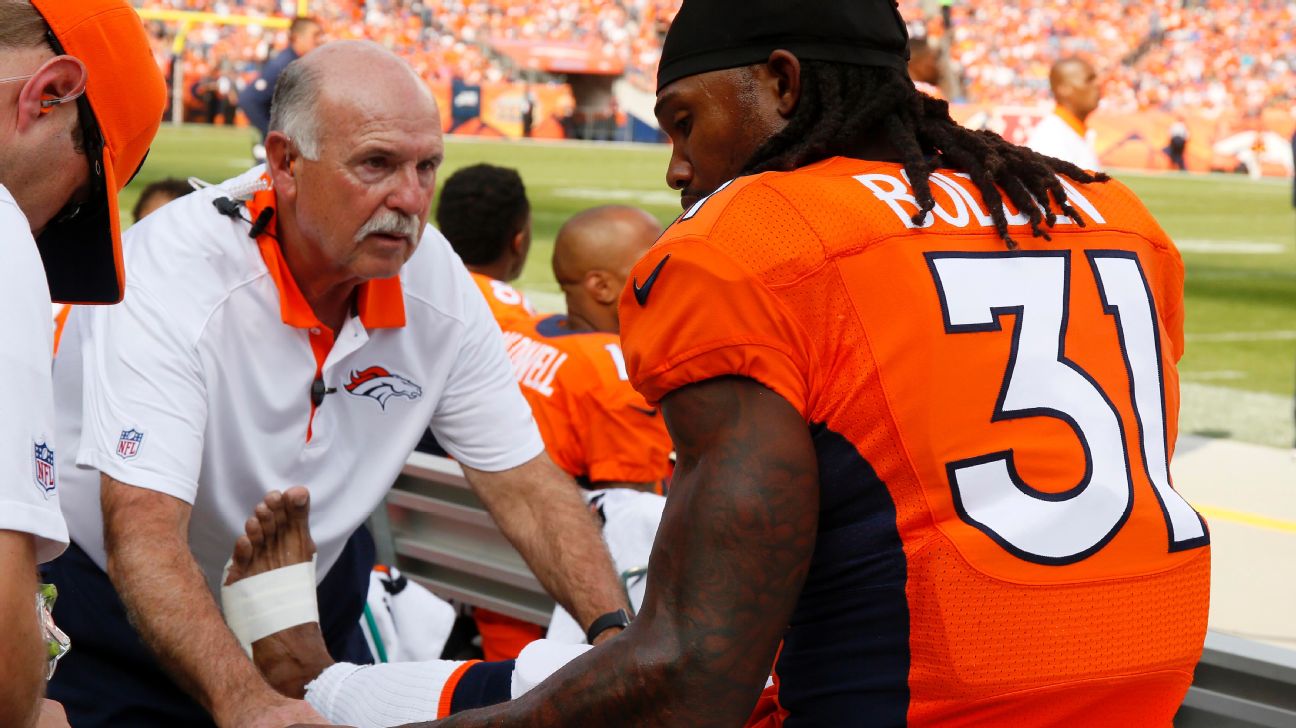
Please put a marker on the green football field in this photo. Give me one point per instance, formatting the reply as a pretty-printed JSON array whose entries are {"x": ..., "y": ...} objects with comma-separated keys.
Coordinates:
[{"x": 1238, "y": 239}]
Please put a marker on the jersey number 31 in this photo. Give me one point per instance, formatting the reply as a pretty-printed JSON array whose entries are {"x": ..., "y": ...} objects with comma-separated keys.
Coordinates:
[{"x": 976, "y": 290}]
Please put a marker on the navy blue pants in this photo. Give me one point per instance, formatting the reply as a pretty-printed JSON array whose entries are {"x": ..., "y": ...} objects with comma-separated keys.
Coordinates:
[{"x": 110, "y": 678}]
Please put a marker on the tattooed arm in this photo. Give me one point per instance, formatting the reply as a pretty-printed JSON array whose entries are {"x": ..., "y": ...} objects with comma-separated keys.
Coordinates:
[{"x": 730, "y": 558}]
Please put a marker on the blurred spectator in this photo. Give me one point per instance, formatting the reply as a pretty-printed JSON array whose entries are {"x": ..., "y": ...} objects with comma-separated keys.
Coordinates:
[
  {"x": 1214, "y": 55},
  {"x": 157, "y": 194},
  {"x": 1063, "y": 133},
  {"x": 1178, "y": 144},
  {"x": 304, "y": 36},
  {"x": 924, "y": 67}
]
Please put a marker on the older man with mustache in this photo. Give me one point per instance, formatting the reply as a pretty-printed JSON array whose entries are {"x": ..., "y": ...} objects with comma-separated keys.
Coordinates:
[{"x": 297, "y": 325}]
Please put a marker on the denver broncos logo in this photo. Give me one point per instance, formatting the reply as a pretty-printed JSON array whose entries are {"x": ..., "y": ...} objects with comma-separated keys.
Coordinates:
[{"x": 382, "y": 385}]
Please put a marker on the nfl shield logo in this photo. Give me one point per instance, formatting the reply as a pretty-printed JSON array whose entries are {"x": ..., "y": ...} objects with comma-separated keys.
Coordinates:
[
  {"x": 43, "y": 461},
  {"x": 129, "y": 443}
]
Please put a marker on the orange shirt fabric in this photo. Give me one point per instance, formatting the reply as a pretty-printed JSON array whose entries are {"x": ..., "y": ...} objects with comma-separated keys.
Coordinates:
[
  {"x": 596, "y": 427},
  {"x": 506, "y": 302},
  {"x": 998, "y": 542}
]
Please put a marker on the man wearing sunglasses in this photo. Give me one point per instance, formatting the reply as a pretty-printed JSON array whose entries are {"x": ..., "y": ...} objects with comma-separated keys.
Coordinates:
[{"x": 80, "y": 101}]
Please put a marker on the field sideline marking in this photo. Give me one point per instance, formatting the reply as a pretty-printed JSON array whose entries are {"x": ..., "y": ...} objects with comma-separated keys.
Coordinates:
[
  {"x": 1247, "y": 519},
  {"x": 1229, "y": 247},
  {"x": 1236, "y": 336}
]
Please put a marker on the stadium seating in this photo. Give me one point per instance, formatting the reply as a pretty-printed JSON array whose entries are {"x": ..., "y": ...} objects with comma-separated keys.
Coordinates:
[{"x": 1235, "y": 56}]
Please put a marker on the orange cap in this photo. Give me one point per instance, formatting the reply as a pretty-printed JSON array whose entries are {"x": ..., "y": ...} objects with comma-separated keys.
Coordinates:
[{"x": 123, "y": 104}]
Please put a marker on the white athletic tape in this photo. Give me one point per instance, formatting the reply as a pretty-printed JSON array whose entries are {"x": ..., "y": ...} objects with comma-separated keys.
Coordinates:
[{"x": 261, "y": 605}]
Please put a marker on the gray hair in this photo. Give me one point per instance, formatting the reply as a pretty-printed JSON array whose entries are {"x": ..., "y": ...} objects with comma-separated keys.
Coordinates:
[
  {"x": 292, "y": 109},
  {"x": 20, "y": 25}
]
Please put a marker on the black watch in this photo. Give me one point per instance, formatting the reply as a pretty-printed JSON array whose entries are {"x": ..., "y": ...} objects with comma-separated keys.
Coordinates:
[{"x": 619, "y": 618}]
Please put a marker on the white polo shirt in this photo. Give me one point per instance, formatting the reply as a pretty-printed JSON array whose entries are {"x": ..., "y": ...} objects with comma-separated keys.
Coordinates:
[
  {"x": 199, "y": 384},
  {"x": 1057, "y": 137},
  {"x": 29, "y": 499}
]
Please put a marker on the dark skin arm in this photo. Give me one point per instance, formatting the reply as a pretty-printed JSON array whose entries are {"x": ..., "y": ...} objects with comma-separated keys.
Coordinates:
[{"x": 727, "y": 568}]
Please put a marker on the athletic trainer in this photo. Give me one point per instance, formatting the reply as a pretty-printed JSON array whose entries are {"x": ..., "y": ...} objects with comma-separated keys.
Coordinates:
[{"x": 298, "y": 325}]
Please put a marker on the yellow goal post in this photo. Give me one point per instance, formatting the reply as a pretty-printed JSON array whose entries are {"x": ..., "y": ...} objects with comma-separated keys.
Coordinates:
[{"x": 186, "y": 19}]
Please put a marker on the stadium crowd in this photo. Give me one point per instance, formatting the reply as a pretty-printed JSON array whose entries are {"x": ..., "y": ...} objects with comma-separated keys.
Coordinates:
[{"x": 1213, "y": 55}]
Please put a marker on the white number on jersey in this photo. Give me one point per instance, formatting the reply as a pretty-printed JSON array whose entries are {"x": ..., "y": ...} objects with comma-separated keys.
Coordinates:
[{"x": 976, "y": 290}]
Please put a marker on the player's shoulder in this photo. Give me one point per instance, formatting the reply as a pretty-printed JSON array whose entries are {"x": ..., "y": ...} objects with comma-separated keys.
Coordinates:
[
  {"x": 594, "y": 355},
  {"x": 554, "y": 328},
  {"x": 190, "y": 255},
  {"x": 506, "y": 302},
  {"x": 770, "y": 224},
  {"x": 1113, "y": 206},
  {"x": 435, "y": 278},
  {"x": 781, "y": 226}
]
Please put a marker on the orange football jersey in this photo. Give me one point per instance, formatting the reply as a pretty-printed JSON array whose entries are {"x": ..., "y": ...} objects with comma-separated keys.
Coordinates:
[
  {"x": 506, "y": 302},
  {"x": 999, "y": 542},
  {"x": 594, "y": 424}
]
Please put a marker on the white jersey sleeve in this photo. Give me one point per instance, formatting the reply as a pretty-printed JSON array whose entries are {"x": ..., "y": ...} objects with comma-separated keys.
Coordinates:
[
  {"x": 145, "y": 405},
  {"x": 28, "y": 479},
  {"x": 483, "y": 420}
]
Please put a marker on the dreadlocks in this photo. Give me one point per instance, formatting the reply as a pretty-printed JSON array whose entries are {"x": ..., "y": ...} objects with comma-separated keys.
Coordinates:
[{"x": 843, "y": 106}]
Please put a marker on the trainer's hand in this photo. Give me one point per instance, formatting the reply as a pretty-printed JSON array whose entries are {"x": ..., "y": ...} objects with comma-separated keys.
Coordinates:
[
  {"x": 608, "y": 634},
  {"x": 283, "y": 713},
  {"x": 52, "y": 716}
]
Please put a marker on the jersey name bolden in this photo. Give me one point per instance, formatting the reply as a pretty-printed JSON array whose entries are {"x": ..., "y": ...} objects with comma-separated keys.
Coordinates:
[
  {"x": 956, "y": 205},
  {"x": 535, "y": 364}
]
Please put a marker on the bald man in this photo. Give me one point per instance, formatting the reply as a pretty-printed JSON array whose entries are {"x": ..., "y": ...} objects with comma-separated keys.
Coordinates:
[
  {"x": 592, "y": 258},
  {"x": 1064, "y": 134}
]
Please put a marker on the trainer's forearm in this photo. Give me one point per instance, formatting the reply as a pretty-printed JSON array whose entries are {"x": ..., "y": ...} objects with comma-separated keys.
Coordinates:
[
  {"x": 540, "y": 510},
  {"x": 22, "y": 667},
  {"x": 171, "y": 607}
]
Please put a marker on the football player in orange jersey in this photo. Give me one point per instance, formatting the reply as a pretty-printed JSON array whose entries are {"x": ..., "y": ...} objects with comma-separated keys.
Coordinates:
[
  {"x": 571, "y": 368},
  {"x": 923, "y": 391},
  {"x": 485, "y": 214}
]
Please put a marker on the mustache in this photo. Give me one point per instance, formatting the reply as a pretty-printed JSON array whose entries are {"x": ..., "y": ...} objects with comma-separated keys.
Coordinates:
[{"x": 390, "y": 222}]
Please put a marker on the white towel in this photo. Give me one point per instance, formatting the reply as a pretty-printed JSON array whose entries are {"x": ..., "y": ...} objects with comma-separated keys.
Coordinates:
[{"x": 412, "y": 623}]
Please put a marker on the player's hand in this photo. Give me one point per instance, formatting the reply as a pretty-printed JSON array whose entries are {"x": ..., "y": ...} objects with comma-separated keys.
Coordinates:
[
  {"x": 52, "y": 716},
  {"x": 280, "y": 713}
]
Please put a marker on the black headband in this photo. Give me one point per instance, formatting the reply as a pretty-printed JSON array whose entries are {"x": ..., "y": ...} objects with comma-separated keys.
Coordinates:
[{"x": 712, "y": 35}]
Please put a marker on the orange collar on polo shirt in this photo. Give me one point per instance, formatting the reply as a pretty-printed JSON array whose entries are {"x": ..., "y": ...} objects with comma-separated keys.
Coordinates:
[
  {"x": 380, "y": 303},
  {"x": 1071, "y": 120}
]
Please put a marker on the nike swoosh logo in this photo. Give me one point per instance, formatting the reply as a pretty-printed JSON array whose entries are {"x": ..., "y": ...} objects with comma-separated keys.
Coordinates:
[
  {"x": 641, "y": 294},
  {"x": 651, "y": 412}
]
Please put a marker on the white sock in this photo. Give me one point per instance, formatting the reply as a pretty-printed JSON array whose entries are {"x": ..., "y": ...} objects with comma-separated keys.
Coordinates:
[
  {"x": 395, "y": 693},
  {"x": 375, "y": 696}
]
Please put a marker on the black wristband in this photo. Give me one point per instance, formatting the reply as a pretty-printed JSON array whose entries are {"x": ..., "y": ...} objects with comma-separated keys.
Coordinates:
[{"x": 619, "y": 618}]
